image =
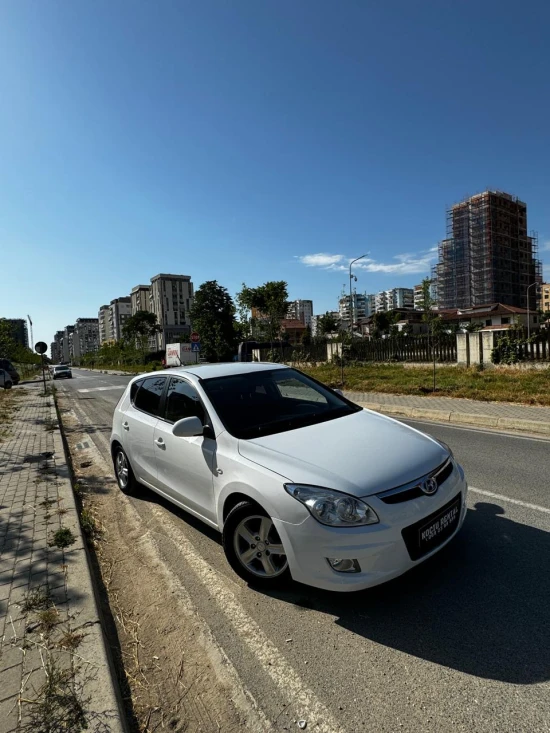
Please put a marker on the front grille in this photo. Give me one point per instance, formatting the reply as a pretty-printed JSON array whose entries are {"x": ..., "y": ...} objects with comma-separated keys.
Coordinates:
[{"x": 408, "y": 491}]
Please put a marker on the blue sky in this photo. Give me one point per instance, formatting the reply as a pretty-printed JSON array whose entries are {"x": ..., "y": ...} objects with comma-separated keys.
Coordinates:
[{"x": 250, "y": 140}]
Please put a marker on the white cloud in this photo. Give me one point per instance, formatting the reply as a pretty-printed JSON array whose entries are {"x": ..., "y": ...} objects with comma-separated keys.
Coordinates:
[
  {"x": 321, "y": 259},
  {"x": 545, "y": 246},
  {"x": 404, "y": 264}
]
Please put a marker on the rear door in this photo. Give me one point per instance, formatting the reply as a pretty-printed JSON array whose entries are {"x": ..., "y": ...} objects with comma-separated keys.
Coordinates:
[{"x": 138, "y": 426}]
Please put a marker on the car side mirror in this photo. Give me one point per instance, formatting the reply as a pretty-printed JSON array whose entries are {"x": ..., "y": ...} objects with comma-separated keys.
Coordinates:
[
  {"x": 187, "y": 427},
  {"x": 339, "y": 391}
]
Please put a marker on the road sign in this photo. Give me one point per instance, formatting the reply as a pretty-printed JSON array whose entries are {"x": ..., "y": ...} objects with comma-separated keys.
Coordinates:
[
  {"x": 195, "y": 346},
  {"x": 41, "y": 347},
  {"x": 195, "y": 338}
]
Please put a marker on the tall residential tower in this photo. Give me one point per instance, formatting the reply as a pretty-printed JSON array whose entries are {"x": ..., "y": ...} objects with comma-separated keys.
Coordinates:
[{"x": 487, "y": 256}]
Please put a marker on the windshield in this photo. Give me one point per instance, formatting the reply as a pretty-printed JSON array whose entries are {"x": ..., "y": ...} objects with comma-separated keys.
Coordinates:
[
  {"x": 262, "y": 403},
  {"x": 61, "y": 368}
]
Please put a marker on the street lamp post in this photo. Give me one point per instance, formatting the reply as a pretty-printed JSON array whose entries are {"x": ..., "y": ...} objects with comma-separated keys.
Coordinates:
[
  {"x": 350, "y": 295},
  {"x": 528, "y": 309}
]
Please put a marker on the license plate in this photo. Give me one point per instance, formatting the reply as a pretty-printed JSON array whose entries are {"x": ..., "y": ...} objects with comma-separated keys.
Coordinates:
[{"x": 424, "y": 536}]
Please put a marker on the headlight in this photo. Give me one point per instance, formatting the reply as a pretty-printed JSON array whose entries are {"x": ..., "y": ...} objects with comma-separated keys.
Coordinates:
[{"x": 332, "y": 507}]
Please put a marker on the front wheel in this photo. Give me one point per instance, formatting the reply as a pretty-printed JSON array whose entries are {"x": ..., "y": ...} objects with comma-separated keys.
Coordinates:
[
  {"x": 253, "y": 547},
  {"x": 124, "y": 474},
  {"x": 8, "y": 385}
]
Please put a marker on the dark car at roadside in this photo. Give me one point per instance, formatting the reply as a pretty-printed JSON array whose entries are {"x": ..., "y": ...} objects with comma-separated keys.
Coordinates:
[{"x": 8, "y": 367}]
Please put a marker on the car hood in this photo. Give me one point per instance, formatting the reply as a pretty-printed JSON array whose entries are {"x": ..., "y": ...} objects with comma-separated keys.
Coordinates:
[{"x": 361, "y": 454}]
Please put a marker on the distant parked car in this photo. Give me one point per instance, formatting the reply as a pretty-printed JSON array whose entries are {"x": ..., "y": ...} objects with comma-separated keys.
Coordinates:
[
  {"x": 8, "y": 367},
  {"x": 62, "y": 371},
  {"x": 5, "y": 379},
  {"x": 301, "y": 482}
]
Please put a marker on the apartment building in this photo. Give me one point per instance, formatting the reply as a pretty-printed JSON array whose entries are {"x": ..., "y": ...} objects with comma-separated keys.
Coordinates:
[
  {"x": 18, "y": 328},
  {"x": 419, "y": 295},
  {"x": 67, "y": 343},
  {"x": 544, "y": 297},
  {"x": 120, "y": 309},
  {"x": 55, "y": 353},
  {"x": 362, "y": 304},
  {"x": 85, "y": 338},
  {"x": 141, "y": 298},
  {"x": 105, "y": 334},
  {"x": 487, "y": 256},
  {"x": 171, "y": 299},
  {"x": 300, "y": 310},
  {"x": 396, "y": 298}
]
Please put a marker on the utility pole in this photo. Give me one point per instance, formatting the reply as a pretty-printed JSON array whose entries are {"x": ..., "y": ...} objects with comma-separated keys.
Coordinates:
[{"x": 350, "y": 294}]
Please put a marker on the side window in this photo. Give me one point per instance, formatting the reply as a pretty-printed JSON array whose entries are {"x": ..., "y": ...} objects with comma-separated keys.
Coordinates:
[
  {"x": 134, "y": 390},
  {"x": 182, "y": 400},
  {"x": 149, "y": 394}
]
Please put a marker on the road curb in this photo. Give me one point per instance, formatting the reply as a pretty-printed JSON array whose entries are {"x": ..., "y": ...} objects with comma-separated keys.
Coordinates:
[
  {"x": 460, "y": 418},
  {"x": 102, "y": 688}
]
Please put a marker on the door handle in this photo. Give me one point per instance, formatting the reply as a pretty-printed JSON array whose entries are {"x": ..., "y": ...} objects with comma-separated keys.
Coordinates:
[
  {"x": 160, "y": 443},
  {"x": 126, "y": 426}
]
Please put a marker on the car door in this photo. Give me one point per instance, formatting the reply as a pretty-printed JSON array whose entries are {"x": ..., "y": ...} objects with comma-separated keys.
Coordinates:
[
  {"x": 185, "y": 465},
  {"x": 138, "y": 427}
]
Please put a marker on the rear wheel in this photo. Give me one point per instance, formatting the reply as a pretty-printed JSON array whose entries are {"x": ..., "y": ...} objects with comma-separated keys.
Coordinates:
[
  {"x": 124, "y": 474},
  {"x": 253, "y": 547}
]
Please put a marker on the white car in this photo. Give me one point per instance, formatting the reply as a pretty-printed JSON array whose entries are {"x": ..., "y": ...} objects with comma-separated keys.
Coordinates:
[
  {"x": 5, "y": 380},
  {"x": 302, "y": 482},
  {"x": 62, "y": 371}
]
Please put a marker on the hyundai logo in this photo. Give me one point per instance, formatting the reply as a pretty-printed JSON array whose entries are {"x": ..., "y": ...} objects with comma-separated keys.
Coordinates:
[{"x": 429, "y": 486}]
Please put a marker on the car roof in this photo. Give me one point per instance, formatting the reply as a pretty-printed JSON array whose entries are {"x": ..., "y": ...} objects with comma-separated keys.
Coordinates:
[{"x": 225, "y": 369}]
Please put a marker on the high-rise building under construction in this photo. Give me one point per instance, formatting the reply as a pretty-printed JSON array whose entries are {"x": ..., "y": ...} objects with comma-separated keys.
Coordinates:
[{"x": 487, "y": 256}]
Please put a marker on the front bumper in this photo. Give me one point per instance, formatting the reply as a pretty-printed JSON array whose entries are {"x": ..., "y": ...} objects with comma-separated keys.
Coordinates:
[{"x": 379, "y": 548}]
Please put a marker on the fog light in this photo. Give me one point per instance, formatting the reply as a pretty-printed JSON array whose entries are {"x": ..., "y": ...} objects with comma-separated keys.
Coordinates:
[{"x": 344, "y": 566}]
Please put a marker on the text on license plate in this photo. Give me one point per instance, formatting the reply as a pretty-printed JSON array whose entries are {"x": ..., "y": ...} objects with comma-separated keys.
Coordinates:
[{"x": 426, "y": 534}]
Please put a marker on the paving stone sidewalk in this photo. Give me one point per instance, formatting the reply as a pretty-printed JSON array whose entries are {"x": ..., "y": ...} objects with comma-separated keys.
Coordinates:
[
  {"x": 459, "y": 410},
  {"x": 49, "y": 623}
]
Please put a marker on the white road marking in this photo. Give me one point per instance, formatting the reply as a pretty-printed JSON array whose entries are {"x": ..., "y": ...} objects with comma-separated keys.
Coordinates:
[
  {"x": 103, "y": 389},
  {"x": 270, "y": 659},
  {"x": 500, "y": 497}
]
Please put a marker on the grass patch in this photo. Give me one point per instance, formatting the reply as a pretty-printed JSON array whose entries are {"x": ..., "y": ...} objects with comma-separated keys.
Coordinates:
[
  {"x": 59, "y": 704},
  {"x": 89, "y": 525},
  {"x": 525, "y": 386},
  {"x": 63, "y": 538},
  {"x": 39, "y": 598},
  {"x": 47, "y": 619},
  {"x": 70, "y": 640}
]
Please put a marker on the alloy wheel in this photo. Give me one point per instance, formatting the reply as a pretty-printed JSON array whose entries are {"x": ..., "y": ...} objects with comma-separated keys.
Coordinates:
[
  {"x": 259, "y": 548},
  {"x": 122, "y": 469}
]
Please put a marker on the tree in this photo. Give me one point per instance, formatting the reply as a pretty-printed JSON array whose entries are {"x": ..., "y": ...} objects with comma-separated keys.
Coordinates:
[
  {"x": 12, "y": 349},
  {"x": 327, "y": 323},
  {"x": 213, "y": 317},
  {"x": 271, "y": 301},
  {"x": 139, "y": 328},
  {"x": 434, "y": 320},
  {"x": 306, "y": 337},
  {"x": 385, "y": 323}
]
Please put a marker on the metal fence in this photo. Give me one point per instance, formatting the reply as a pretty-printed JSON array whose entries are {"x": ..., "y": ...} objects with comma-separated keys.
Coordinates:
[
  {"x": 537, "y": 349},
  {"x": 405, "y": 348}
]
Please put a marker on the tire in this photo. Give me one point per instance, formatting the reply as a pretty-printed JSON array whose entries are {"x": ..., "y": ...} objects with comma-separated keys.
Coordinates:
[
  {"x": 255, "y": 562},
  {"x": 7, "y": 385},
  {"x": 126, "y": 482}
]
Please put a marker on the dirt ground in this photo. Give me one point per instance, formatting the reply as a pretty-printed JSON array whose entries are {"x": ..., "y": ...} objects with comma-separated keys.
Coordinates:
[{"x": 172, "y": 674}]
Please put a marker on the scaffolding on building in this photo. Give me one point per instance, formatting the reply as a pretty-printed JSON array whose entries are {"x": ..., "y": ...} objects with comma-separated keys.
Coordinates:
[{"x": 487, "y": 255}]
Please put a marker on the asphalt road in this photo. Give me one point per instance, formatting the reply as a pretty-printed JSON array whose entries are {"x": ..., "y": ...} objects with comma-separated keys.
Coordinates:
[{"x": 462, "y": 643}]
